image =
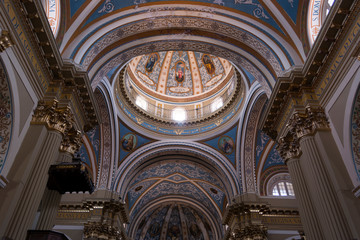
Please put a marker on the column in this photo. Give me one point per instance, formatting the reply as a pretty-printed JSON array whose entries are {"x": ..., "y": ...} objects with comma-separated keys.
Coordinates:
[
  {"x": 51, "y": 198},
  {"x": 321, "y": 189},
  {"x": 56, "y": 120},
  {"x": 289, "y": 150}
]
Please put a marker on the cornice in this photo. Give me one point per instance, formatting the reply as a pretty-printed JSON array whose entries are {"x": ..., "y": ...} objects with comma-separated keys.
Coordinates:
[
  {"x": 296, "y": 89},
  {"x": 55, "y": 118},
  {"x": 73, "y": 84}
]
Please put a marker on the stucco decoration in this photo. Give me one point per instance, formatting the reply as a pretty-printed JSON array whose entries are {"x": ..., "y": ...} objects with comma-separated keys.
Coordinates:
[
  {"x": 6, "y": 116},
  {"x": 355, "y": 132},
  {"x": 92, "y": 138},
  {"x": 176, "y": 178},
  {"x": 106, "y": 141},
  {"x": 192, "y": 22},
  {"x": 261, "y": 142},
  {"x": 249, "y": 149},
  {"x": 273, "y": 158}
]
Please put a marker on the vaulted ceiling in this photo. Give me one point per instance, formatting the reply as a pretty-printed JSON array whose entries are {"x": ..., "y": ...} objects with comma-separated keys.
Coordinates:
[{"x": 168, "y": 171}]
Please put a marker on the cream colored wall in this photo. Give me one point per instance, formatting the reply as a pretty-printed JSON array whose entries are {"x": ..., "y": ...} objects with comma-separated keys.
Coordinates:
[
  {"x": 339, "y": 110},
  {"x": 24, "y": 101}
]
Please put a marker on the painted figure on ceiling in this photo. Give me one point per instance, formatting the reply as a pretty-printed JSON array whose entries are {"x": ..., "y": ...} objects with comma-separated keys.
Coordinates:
[
  {"x": 153, "y": 58},
  {"x": 179, "y": 72},
  {"x": 226, "y": 144},
  {"x": 208, "y": 63},
  {"x": 128, "y": 142}
]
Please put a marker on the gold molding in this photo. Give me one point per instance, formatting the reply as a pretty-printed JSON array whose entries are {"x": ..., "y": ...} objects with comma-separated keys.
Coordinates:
[
  {"x": 71, "y": 142},
  {"x": 53, "y": 117},
  {"x": 5, "y": 40},
  {"x": 289, "y": 147},
  {"x": 308, "y": 123}
]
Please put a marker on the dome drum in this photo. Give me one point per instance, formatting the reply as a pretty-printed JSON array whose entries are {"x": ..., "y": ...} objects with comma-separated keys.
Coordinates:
[{"x": 195, "y": 92}]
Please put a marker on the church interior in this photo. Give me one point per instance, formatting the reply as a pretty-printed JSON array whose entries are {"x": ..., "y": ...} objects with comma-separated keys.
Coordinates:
[{"x": 180, "y": 120}]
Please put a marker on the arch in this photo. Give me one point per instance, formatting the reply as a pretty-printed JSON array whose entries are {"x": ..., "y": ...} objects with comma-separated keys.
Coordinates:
[
  {"x": 107, "y": 138},
  {"x": 203, "y": 153},
  {"x": 7, "y": 120},
  {"x": 248, "y": 138},
  {"x": 274, "y": 180},
  {"x": 354, "y": 126},
  {"x": 268, "y": 174},
  {"x": 215, "y": 21},
  {"x": 118, "y": 36}
]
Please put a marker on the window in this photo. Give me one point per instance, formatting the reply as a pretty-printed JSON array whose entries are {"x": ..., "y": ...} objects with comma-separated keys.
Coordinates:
[
  {"x": 141, "y": 102},
  {"x": 283, "y": 189},
  {"x": 218, "y": 103},
  {"x": 179, "y": 114},
  {"x": 52, "y": 10},
  {"x": 318, "y": 11}
]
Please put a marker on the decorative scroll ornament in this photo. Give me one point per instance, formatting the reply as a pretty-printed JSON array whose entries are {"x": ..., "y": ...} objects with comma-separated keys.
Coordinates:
[
  {"x": 71, "y": 142},
  {"x": 5, "y": 40},
  {"x": 55, "y": 118},
  {"x": 309, "y": 123},
  {"x": 289, "y": 147}
]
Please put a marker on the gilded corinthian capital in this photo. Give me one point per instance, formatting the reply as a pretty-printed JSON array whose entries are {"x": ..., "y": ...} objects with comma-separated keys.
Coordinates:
[
  {"x": 53, "y": 117},
  {"x": 289, "y": 147},
  {"x": 305, "y": 124},
  {"x": 71, "y": 142}
]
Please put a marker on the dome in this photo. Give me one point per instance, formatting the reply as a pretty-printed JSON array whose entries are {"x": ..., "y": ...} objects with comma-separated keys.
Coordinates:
[
  {"x": 179, "y": 88},
  {"x": 180, "y": 76}
]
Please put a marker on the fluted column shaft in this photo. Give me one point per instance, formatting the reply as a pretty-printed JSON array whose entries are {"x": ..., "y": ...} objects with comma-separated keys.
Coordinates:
[
  {"x": 326, "y": 202},
  {"x": 49, "y": 206},
  {"x": 34, "y": 187},
  {"x": 306, "y": 207},
  {"x": 48, "y": 126}
]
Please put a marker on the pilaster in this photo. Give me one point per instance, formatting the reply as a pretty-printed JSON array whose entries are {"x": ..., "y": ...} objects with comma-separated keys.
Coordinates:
[
  {"x": 57, "y": 121},
  {"x": 289, "y": 149},
  {"x": 304, "y": 126}
]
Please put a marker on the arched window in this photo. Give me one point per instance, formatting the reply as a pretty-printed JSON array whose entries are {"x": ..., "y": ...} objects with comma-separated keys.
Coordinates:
[
  {"x": 283, "y": 189},
  {"x": 318, "y": 10},
  {"x": 280, "y": 186},
  {"x": 52, "y": 10}
]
